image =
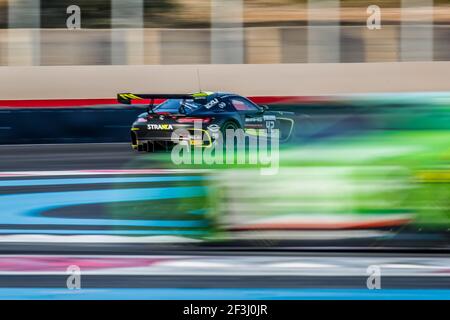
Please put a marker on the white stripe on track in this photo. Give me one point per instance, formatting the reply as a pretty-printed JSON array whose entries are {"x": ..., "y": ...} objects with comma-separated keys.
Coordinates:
[
  {"x": 236, "y": 265},
  {"x": 37, "y": 238},
  {"x": 8, "y": 174}
]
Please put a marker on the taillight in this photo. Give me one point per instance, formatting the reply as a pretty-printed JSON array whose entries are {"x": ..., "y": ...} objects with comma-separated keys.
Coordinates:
[{"x": 192, "y": 120}]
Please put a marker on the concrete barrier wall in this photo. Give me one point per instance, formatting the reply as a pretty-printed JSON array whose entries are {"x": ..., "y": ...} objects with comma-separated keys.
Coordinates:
[
  {"x": 72, "y": 125},
  {"x": 91, "y": 82}
]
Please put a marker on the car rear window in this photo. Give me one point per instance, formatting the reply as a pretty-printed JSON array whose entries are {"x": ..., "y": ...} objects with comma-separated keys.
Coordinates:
[{"x": 173, "y": 106}]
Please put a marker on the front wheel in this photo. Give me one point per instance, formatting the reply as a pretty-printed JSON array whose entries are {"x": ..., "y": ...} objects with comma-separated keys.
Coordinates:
[{"x": 292, "y": 134}]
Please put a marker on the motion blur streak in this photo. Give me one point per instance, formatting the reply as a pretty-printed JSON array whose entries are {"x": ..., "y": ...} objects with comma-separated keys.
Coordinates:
[
  {"x": 27, "y": 208},
  {"x": 224, "y": 275},
  {"x": 49, "y": 182},
  {"x": 222, "y": 294}
]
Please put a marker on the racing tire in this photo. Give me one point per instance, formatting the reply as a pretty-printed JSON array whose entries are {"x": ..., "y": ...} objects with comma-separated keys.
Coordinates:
[{"x": 228, "y": 125}]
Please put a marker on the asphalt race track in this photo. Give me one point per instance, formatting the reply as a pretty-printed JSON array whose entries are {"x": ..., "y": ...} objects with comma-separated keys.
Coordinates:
[
  {"x": 70, "y": 205},
  {"x": 224, "y": 276},
  {"x": 65, "y": 156}
]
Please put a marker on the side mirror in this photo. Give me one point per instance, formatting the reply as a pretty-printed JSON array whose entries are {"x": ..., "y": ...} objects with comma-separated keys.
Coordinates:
[{"x": 264, "y": 108}]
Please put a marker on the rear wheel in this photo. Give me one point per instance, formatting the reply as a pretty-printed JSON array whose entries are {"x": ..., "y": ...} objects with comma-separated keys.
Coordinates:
[
  {"x": 146, "y": 146},
  {"x": 134, "y": 143},
  {"x": 229, "y": 125}
]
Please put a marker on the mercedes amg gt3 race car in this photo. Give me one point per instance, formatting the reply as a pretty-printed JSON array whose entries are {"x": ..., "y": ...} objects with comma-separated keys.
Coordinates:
[{"x": 214, "y": 111}]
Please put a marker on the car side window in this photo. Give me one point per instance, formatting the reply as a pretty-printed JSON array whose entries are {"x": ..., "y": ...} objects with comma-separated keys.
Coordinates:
[
  {"x": 242, "y": 105},
  {"x": 221, "y": 106}
]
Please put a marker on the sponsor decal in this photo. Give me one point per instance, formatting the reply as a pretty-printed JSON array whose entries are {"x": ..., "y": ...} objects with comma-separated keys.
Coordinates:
[
  {"x": 159, "y": 127},
  {"x": 253, "y": 120},
  {"x": 212, "y": 103},
  {"x": 270, "y": 125},
  {"x": 270, "y": 118},
  {"x": 213, "y": 128}
]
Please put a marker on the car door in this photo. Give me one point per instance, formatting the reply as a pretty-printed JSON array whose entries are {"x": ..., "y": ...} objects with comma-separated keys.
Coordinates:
[{"x": 252, "y": 116}]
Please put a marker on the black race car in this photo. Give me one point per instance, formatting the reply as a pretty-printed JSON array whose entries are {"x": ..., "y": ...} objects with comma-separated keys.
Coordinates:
[{"x": 215, "y": 111}]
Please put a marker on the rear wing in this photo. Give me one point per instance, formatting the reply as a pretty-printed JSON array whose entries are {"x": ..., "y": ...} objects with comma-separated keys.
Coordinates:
[{"x": 127, "y": 98}]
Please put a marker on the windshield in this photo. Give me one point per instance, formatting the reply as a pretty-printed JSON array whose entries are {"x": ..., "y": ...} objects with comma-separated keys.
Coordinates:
[{"x": 173, "y": 106}]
